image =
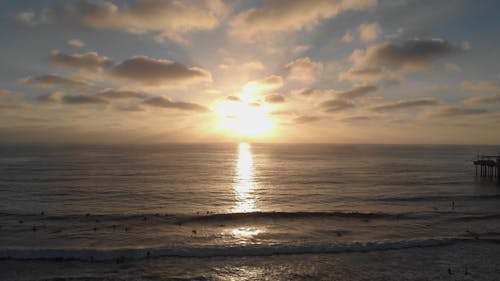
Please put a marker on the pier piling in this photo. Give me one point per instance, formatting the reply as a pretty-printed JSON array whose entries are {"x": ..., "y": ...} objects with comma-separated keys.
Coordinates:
[{"x": 489, "y": 166}]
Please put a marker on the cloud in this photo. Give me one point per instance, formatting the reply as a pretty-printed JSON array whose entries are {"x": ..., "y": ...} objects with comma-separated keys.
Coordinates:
[
  {"x": 253, "y": 65},
  {"x": 347, "y": 38},
  {"x": 481, "y": 85},
  {"x": 282, "y": 16},
  {"x": 269, "y": 83},
  {"x": 5, "y": 93},
  {"x": 303, "y": 69},
  {"x": 390, "y": 61},
  {"x": 89, "y": 61},
  {"x": 405, "y": 104},
  {"x": 120, "y": 94},
  {"x": 233, "y": 98},
  {"x": 76, "y": 43},
  {"x": 131, "y": 108},
  {"x": 451, "y": 67},
  {"x": 411, "y": 53},
  {"x": 454, "y": 111},
  {"x": 100, "y": 97},
  {"x": 371, "y": 75},
  {"x": 357, "y": 92},
  {"x": 156, "y": 72},
  {"x": 300, "y": 49},
  {"x": 484, "y": 100},
  {"x": 334, "y": 105},
  {"x": 353, "y": 93},
  {"x": 166, "y": 18},
  {"x": 50, "y": 98},
  {"x": 304, "y": 92},
  {"x": 11, "y": 106},
  {"x": 352, "y": 119},
  {"x": 82, "y": 99},
  {"x": 54, "y": 80},
  {"x": 275, "y": 98},
  {"x": 32, "y": 18},
  {"x": 344, "y": 99},
  {"x": 369, "y": 32},
  {"x": 167, "y": 103},
  {"x": 306, "y": 119}
]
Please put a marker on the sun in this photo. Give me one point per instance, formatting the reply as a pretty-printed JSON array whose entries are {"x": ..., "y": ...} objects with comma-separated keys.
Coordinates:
[{"x": 244, "y": 119}]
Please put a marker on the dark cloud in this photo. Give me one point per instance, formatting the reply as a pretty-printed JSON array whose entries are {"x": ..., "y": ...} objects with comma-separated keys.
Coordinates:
[
  {"x": 306, "y": 119},
  {"x": 390, "y": 61},
  {"x": 120, "y": 94},
  {"x": 405, "y": 104},
  {"x": 337, "y": 105},
  {"x": 50, "y": 98},
  {"x": 82, "y": 99},
  {"x": 353, "y": 93},
  {"x": 454, "y": 111},
  {"x": 166, "y": 103},
  {"x": 131, "y": 108},
  {"x": 414, "y": 51},
  {"x": 275, "y": 99},
  {"x": 345, "y": 99},
  {"x": 357, "y": 92},
  {"x": 87, "y": 61},
  {"x": 352, "y": 119},
  {"x": 54, "y": 80},
  {"x": 304, "y": 92},
  {"x": 148, "y": 71}
]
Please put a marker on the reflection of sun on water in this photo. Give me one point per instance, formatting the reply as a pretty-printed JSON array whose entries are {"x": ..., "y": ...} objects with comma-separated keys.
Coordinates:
[
  {"x": 244, "y": 194},
  {"x": 244, "y": 182},
  {"x": 246, "y": 232}
]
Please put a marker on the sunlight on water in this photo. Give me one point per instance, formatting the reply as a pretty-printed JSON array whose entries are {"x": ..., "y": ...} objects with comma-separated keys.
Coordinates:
[
  {"x": 244, "y": 181},
  {"x": 246, "y": 232}
]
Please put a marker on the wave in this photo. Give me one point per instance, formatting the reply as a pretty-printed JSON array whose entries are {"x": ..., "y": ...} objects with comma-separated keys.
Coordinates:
[
  {"x": 220, "y": 250},
  {"x": 225, "y": 217},
  {"x": 295, "y": 215},
  {"x": 475, "y": 218},
  {"x": 439, "y": 198}
]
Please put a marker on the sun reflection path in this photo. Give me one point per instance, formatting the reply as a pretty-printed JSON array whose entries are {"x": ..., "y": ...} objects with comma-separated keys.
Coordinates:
[{"x": 244, "y": 181}]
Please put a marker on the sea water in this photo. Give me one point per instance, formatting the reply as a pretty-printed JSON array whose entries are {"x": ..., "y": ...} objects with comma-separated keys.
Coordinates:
[{"x": 247, "y": 212}]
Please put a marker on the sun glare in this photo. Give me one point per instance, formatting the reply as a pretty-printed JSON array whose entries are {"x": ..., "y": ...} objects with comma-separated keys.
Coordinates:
[{"x": 244, "y": 119}]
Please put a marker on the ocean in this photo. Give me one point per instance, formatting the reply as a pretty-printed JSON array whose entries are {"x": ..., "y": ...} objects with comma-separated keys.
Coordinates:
[{"x": 247, "y": 211}]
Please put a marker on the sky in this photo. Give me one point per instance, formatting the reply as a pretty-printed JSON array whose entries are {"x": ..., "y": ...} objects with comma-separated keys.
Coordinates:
[{"x": 338, "y": 71}]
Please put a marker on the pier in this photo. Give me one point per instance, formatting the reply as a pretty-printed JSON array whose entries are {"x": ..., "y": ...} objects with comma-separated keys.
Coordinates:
[{"x": 489, "y": 166}]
